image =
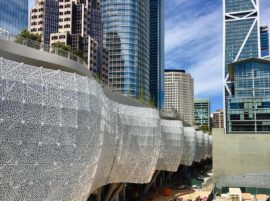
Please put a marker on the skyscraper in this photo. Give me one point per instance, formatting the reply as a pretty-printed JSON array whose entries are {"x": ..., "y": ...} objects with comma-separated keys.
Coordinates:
[
  {"x": 218, "y": 119},
  {"x": 248, "y": 107},
  {"x": 202, "y": 112},
  {"x": 13, "y": 15},
  {"x": 77, "y": 23},
  {"x": 179, "y": 94},
  {"x": 241, "y": 36},
  {"x": 126, "y": 35},
  {"x": 44, "y": 19},
  {"x": 264, "y": 31},
  {"x": 156, "y": 76}
]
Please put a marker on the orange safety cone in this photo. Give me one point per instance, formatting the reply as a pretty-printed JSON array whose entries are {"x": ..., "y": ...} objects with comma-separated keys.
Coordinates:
[{"x": 167, "y": 192}]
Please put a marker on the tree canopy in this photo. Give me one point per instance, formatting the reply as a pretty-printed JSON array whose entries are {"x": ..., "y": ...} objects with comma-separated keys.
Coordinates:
[{"x": 31, "y": 36}]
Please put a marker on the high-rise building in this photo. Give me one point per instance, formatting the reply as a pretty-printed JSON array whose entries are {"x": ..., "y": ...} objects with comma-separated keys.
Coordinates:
[
  {"x": 241, "y": 36},
  {"x": 44, "y": 19},
  {"x": 264, "y": 31},
  {"x": 95, "y": 31},
  {"x": 179, "y": 94},
  {"x": 13, "y": 15},
  {"x": 249, "y": 105},
  {"x": 126, "y": 26},
  {"x": 218, "y": 119},
  {"x": 156, "y": 76},
  {"x": 202, "y": 112},
  {"x": 77, "y": 23}
]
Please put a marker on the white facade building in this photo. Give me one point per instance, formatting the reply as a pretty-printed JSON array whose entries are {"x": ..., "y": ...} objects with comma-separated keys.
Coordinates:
[{"x": 179, "y": 94}]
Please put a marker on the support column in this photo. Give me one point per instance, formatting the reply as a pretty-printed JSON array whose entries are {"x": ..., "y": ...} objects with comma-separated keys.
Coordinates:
[
  {"x": 110, "y": 192},
  {"x": 148, "y": 186},
  {"x": 115, "y": 196}
]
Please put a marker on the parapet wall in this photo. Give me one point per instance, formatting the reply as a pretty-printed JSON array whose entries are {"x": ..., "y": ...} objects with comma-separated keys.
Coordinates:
[
  {"x": 241, "y": 160},
  {"x": 62, "y": 137}
]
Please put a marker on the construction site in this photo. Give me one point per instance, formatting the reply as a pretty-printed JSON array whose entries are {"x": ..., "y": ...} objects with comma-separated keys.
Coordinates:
[{"x": 189, "y": 183}]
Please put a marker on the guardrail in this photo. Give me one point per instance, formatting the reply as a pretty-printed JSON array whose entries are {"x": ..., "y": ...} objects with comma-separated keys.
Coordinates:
[{"x": 41, "y": 46}]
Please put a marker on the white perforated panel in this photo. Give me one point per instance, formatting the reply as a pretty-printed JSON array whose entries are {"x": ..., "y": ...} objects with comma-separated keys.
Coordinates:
[{"x": 62, "y": 138}]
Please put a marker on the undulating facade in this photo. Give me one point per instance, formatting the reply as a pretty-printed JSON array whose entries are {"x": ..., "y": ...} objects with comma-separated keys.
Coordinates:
[
  {"x": 241, "y": 37},
  {"x": 126, "y": 26},
  {"x": 13, "y": 15},
  {"x": 64, "y": 138},
  {"x": 179, "y": 94},
  {"x": 156, "y": 72}
]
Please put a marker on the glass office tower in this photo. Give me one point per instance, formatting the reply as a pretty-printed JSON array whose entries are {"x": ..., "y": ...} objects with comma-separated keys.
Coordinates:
[
  {"x": 241, "y": 36},
  {"x": 156, "y": 77},
  {"x": 13, "y": 15},
  {"x": 264, "y": 41},
  {"x": 202, "y": 112},
  {"x": 249, "y": 106},
  {"x": 126, "y": 35}
]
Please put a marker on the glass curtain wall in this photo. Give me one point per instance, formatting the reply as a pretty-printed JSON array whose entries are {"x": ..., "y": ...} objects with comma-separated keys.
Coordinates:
[
  {"x": 126, "y": 35},
  {"x": 13, "y": 15}
]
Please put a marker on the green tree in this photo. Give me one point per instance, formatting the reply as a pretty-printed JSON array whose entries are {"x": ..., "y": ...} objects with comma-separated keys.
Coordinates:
[
  {"x": 62, "y": 46},
  {"x": 204, "y": 128},
  {"x": 141, "y": 96},
  {"x": 29, "y": 39},
  {"x": 152, "y": 102},
  {"x": 68, "y": 48}
]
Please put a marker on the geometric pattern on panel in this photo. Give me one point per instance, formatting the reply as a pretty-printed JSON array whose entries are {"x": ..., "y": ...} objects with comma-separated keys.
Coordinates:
[{"x": 61, "y": 138}]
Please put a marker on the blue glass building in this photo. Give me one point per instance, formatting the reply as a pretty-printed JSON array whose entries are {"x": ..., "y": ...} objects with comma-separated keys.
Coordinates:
[
  {"x": 156, "y": 76},
  {"x": 249, "y": 105},
  {"x": 241, "y": 36},
  {"x": 126, "y": 36},
  {"x": 51, "y": 15},
  {"x": 14, "y": 15},
  {"x": 95, "y": 31},
  {"x": 264, "y": 41}
]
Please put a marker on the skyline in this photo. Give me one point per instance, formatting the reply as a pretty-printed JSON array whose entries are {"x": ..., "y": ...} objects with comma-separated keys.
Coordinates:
[{"x": 188, "y": 36}]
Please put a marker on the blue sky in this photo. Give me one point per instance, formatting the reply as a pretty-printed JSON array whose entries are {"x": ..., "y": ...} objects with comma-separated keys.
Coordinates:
[{"x": 193, "y": 41}]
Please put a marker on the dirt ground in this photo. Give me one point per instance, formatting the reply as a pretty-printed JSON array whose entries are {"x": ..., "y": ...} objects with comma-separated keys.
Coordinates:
[{"x": 204, "y": 192}]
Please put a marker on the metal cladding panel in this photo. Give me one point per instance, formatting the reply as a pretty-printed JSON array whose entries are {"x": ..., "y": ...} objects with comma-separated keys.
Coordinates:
[
  {"x": 210, "y": 147},
  {"x": 199, "y": 155},
  {"x": 189, "y": 146},
  {"x": 61, "y": 138},
  {"x": 172, "y": 145},
  {"x": 206, "y": 145},
  {"x": 138, "y": 145}
]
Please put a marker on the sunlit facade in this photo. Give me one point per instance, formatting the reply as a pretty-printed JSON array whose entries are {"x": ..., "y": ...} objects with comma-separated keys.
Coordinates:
[
  {"x": 13, "y": 15},
  {"x": 126, "y": 35},
  {"x": 179, "y": 94},
  {"x": 44, "y": 19},
  {"x": 241, "y": 37},
  {"x": 249, "y": 106}
]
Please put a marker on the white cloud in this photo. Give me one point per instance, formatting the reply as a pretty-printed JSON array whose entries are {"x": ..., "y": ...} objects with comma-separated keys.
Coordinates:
[{"x": 196, "y": 41}]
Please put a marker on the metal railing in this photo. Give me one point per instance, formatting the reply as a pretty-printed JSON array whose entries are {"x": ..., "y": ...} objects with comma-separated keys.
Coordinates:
[{"x": 41, "y": 46}]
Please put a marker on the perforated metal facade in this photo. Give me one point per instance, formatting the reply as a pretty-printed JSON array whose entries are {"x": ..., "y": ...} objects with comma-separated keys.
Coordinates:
[{"x": 62, "y": 138}]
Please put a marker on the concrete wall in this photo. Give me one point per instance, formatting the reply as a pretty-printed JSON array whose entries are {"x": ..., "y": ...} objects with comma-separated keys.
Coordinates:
[{"x": 241, "y": 160}]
